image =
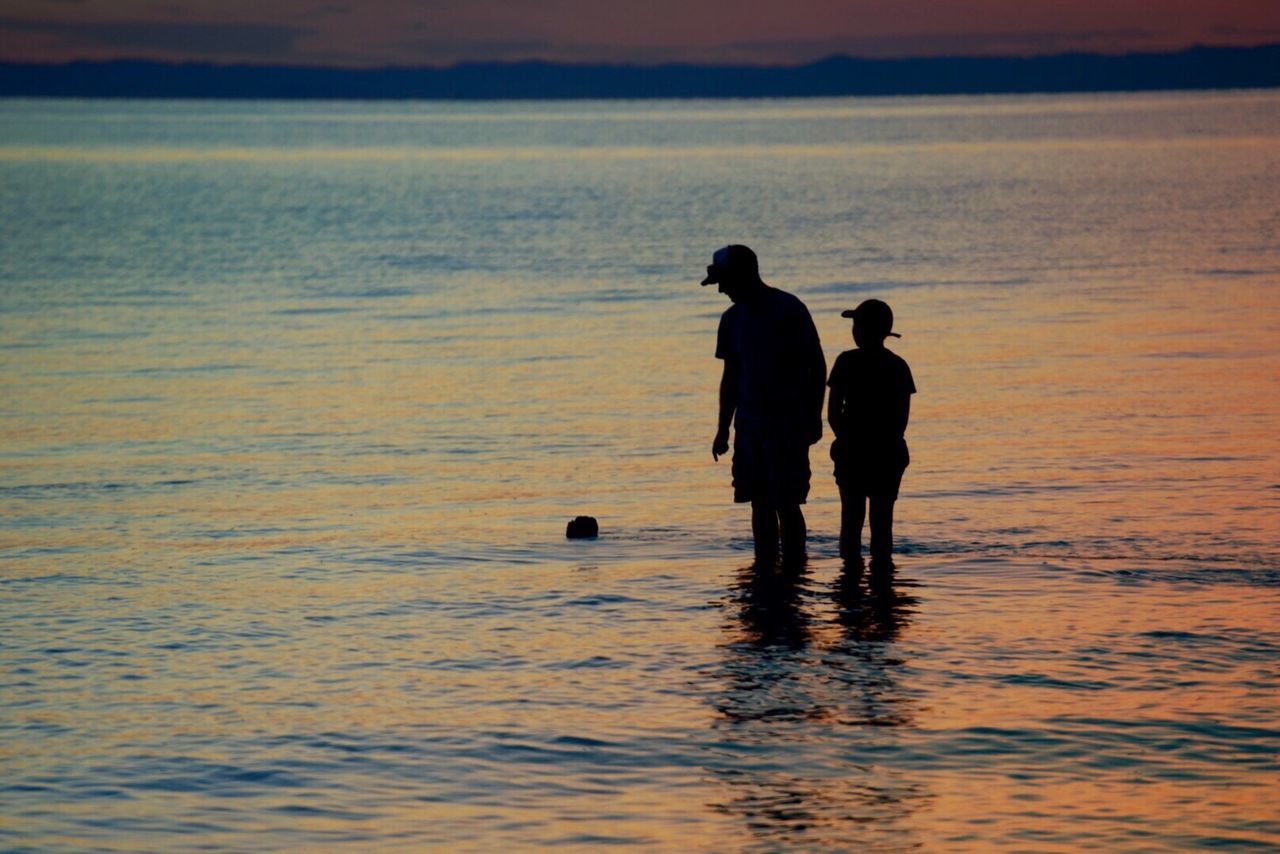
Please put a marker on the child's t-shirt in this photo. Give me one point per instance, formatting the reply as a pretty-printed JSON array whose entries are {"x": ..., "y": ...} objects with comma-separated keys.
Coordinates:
[{"x": 871, "y": 383}]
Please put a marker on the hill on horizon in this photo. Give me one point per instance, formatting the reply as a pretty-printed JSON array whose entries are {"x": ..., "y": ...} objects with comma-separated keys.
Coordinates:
[{"x": 1194, "y": 68}]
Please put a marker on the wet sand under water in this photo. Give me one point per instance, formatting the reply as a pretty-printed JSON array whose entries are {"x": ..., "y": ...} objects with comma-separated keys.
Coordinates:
[{"x": 667, "y": 705}]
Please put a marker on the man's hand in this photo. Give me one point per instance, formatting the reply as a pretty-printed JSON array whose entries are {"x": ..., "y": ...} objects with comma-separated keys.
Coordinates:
[{"x": 719, "y": 446}]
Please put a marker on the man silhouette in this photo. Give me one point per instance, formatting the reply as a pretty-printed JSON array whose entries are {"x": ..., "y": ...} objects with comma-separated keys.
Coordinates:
[{"x": 772, "y": 392}]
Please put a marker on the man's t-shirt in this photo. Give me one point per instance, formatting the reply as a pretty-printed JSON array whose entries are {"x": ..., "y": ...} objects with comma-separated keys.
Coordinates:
[
  {"x": 872, "y": 383},
  {"x": 776, "y": 346}
]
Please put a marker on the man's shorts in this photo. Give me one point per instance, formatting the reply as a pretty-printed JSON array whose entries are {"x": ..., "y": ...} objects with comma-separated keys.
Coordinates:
[
  {"x": 870, "y": 472},
  {"x": 770, "y": 468}
]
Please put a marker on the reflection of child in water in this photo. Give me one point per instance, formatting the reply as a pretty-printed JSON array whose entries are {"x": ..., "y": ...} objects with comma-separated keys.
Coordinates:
[{"x": 868, "y": 409}]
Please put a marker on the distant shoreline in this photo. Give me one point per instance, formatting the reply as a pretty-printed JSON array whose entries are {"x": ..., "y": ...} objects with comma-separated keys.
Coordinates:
[{"x": 1197, "y": 68}]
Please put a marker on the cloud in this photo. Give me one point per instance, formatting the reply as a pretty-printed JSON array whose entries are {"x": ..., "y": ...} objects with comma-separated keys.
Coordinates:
[
  {"x": 938, "y": 44},
  {"x": 265, "y": 41},
  {"x": 326, "y": 10},
  {"x": 432, "y": 50},
  {"x": 1255, "y": 34}
]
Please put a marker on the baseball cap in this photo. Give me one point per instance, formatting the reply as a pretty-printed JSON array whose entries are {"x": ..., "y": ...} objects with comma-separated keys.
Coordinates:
[
  {"x": 733, "y": 257},
  {"x": 875, "y": 315}
]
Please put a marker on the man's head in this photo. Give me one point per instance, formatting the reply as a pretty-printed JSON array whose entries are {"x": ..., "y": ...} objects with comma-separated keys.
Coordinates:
[
  {"x": 872, "y": 323},
  {"x": 735, "y": 269}
]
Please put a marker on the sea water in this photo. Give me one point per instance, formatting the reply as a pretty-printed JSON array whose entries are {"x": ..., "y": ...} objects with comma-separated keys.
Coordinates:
[{"x": 297, "y": 399}]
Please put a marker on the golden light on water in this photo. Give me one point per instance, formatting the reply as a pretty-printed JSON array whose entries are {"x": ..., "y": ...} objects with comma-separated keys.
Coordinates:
[{"x": 284, "y": 555}]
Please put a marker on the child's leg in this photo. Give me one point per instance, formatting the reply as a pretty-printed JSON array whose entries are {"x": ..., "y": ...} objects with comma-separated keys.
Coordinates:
[
  {"x": 882, "y": 528},
  {"x": 853, "y": 509}
]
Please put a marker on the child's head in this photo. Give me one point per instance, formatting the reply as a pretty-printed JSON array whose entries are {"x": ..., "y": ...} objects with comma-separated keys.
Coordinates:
[{"x": 872, "y": 323}]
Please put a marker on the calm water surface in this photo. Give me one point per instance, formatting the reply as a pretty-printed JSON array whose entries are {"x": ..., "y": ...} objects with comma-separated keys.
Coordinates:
[{"x": 296, "y": 399}]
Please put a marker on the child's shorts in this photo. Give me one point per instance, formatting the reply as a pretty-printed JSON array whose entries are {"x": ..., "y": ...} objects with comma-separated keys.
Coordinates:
[{"x": 870, "y": 472}]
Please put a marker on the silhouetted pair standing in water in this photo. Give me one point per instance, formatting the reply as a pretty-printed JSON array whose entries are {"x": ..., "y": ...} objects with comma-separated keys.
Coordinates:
[{"x": 772, "y": 391}]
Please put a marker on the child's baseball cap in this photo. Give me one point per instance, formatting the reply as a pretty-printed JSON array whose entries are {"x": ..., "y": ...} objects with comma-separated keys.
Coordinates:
[{"x": 874, "y": 316}]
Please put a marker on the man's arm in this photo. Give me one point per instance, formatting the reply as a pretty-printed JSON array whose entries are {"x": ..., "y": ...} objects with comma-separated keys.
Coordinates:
[
  {"x": 819, "y": 380},
  {"x": 728, "y": 405},
  {"x": 816, "y": 381}
]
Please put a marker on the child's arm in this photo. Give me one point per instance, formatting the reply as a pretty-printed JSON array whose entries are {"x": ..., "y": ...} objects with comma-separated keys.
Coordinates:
[
  {"x": 900, "y": 414},
  {"x": 835, "y": 411}
]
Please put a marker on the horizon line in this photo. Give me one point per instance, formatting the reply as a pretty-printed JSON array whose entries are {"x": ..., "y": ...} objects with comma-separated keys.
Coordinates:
[
  {"x": 1198, "y": 67},
  {"x": 781, "y": 66}
]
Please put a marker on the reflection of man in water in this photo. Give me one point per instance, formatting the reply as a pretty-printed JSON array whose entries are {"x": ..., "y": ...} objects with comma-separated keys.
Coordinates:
[
  {"x": 799, "y": 706},
  {"x": 772, "y": 390}
]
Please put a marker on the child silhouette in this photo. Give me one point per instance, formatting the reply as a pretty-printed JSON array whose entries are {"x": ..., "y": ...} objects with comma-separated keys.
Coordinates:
[{"x": 868, "y": 409}]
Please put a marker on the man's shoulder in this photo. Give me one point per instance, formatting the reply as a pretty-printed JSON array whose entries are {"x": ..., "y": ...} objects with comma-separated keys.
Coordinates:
[
  {"x": 785, "y": 298},
  {"x": 791, "y": 314}
]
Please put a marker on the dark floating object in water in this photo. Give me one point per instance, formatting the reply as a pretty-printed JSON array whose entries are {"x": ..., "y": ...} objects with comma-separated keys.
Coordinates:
[{"x": 582, "y": 528}]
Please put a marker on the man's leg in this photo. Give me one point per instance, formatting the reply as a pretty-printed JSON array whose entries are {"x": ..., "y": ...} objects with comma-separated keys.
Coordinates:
[
  {"x": 882, "y": 529},
  {"x": 794, "y": 533},
  {"x": 764, "y": 528},
  {"x": 853, "y": 509}
]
